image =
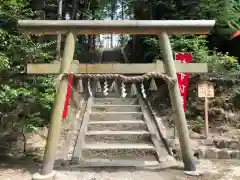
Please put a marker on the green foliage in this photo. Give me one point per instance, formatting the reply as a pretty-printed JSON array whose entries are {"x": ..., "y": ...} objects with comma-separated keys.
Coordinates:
[
  {"x": 212, "y": 9},
  {"x": 189, "y": 43},
  {"x": 152, "y": 49},
  {"x": 4, "y": 61},
  {"x": 226, "y": 12},
  {"x": 197, "y": 124},
  {"x": 234, "y": 15},
  {"x": 28, "y": 99},
  {"x": 217, "y": 62},
  {"x": 177, "y": 10}
]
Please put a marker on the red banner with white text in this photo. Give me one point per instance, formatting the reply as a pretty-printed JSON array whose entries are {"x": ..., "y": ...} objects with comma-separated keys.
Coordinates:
[
  {"x": 183, "y": 77},
  {"x": 68, "y": 96}
]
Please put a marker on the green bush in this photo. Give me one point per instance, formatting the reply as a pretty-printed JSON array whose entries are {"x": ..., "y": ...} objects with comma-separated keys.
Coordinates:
[
  {"x": 217, "y": 62},
  {"x": 25, "y": 101}
]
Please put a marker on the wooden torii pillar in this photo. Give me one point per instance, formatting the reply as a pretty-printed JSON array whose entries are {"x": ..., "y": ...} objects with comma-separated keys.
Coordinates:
[{"x": 71, "y": 28}]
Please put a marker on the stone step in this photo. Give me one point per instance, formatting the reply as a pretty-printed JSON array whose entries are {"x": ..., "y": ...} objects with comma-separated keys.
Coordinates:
[
  {"x": 117, "y": 137},
  {"x": 105, "y": 146},
  {"x": 119, "y": 151},
  {"x": 116, "y": 108},
  {"x": 215, "y": 153},
  {"x": 116, "y": 101},
  {"x": 117, "y": 163},
  {"x": 117, "y": 125},
  {"x": 226, "y": 143},
  {"x": 110, "y": 116}
]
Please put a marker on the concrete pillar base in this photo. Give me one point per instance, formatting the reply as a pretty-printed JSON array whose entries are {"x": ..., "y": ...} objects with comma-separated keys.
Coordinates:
[
  {"x": 194, "y": 173},
  {"x": 50, "y": 176}
]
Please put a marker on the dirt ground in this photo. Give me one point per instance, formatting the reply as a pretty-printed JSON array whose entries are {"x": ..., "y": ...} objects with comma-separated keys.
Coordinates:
[{"x": 212, "y": 170}]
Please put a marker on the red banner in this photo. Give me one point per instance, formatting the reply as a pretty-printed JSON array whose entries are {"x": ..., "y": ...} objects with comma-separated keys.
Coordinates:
[
  {"x": 183, "y": 77},
  {"x": 68, "y": 95}
]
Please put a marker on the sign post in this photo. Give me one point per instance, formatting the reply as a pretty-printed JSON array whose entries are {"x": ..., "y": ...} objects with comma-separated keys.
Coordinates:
[{"x": 206, "y": 90}]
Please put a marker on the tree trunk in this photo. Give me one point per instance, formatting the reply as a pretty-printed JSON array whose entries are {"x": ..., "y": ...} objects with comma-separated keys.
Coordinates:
[
  {"x": 150, "y": 10},
  {"x": 112, "y": 17},
  {"x": 74, "y": 9},
  {"x": 122, "y": 14},
  {"x": 59, "y": 36}
]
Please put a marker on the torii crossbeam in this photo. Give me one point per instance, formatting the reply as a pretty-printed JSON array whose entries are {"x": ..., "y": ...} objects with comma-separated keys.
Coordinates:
[{"x": 71, "y": 28}]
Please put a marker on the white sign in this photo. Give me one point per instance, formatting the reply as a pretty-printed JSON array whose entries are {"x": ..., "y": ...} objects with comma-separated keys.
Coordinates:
[{"x": 205, "y": 89}]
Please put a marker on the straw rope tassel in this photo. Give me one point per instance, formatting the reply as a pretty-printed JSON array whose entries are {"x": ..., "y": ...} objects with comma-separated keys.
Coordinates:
[
  {"x": 98, "y": 88},
  {"x": 133, "y": 90},
  {"x": 143, "y": 91},
  {"x": 153, "y": 85},
  {"x": 123, "y": 90},
  {"x": 105, "y": 88},
  {"x": 89, "y": 88},
  {"x": 81, "y": 88},
  {"x": 113, "y": 86}
]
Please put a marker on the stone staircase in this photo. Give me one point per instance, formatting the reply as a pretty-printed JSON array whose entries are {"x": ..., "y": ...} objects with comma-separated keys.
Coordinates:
[{"x": 116, "y": 132}]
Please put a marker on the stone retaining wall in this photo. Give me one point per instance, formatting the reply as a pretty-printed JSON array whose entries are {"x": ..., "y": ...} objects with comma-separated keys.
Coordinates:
[
  {"x": 212, "y": 149},
  {"x": 70, "y": 131}
]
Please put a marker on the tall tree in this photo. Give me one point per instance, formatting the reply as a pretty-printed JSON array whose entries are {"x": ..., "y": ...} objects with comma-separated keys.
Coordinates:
[{"x": 59, "y": 36}]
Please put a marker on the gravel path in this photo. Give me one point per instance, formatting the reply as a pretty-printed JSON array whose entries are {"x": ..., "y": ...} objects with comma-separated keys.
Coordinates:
[{"x": 213, "y": 170}]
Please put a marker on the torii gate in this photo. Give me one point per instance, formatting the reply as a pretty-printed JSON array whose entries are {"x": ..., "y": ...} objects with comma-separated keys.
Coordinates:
[{"x": 162, "y": 28}]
